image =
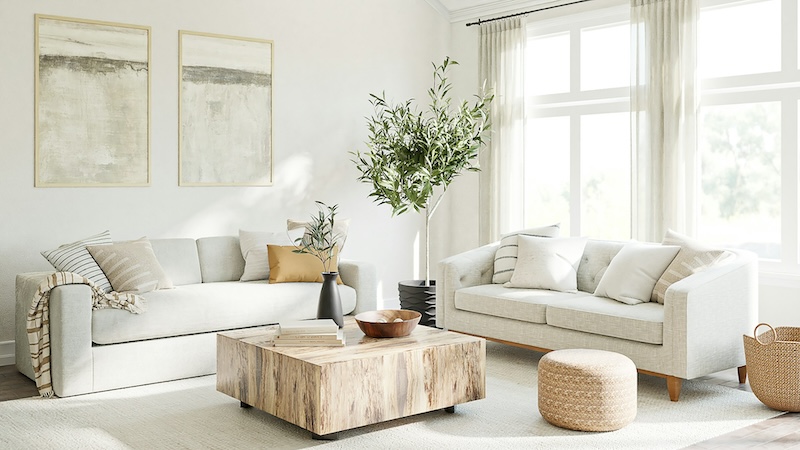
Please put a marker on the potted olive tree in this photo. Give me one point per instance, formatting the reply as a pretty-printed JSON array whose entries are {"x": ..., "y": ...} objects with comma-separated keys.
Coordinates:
[{"x": 413, "y": 156}]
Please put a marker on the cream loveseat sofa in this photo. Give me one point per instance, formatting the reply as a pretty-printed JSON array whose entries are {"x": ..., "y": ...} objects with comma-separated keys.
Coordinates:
[
  {"x": 696, "y": 331},
  {"x": 176, "y": 336}
]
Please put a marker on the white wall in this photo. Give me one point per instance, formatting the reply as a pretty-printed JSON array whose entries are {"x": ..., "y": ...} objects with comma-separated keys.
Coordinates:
[{"x": 328, "y": 56}]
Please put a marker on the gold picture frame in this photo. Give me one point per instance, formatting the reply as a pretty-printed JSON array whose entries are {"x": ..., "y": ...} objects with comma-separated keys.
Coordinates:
[
  {"x": 91, "y": 103},
  {"x": 224, "y": 110}
]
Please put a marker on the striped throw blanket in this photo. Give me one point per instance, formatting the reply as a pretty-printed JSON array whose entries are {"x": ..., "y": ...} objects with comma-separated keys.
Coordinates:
[{"x": 39, "y": 320}]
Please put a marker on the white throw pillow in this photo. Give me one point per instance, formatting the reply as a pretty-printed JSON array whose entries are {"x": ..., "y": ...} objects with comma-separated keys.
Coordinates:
[
  {"x": 633, "y": 272},
  {"x": 254, "y": 251},
  {"x": 547, "y": 263},
  {"x": 692, "y": 258},
  {"x": 505, "y": 259}
]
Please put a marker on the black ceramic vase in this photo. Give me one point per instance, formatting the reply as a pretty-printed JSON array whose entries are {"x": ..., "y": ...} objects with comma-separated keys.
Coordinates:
[{"x": 330, "y": 304}]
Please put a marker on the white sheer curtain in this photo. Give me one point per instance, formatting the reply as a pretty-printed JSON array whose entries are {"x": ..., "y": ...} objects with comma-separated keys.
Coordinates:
[
  {"x": 502, "y": 63},
  {"x": 663, "y": 115}
]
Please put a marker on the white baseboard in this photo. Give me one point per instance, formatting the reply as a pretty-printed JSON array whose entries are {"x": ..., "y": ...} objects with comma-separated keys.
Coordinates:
[{"x": 7, "y": 353}]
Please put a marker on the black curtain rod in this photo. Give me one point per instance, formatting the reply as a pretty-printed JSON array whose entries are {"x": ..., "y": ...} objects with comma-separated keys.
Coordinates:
[{"x": 526, "y": 12}]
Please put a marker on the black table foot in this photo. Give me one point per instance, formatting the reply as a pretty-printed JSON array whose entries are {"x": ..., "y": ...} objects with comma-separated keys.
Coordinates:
[
  {"x": 325, "y": 437},
  {"x": 244, "y": 405},
  {"x": 450, "y": 409}
]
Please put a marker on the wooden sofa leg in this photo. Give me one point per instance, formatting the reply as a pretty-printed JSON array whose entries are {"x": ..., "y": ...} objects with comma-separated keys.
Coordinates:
[
  {"x": 674, "y": 387},
  {"x": 742, "y": 374}
]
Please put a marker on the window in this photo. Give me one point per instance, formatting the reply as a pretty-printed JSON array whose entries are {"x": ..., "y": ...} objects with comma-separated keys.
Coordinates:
[
  {"x": 578, "y": 156},
  {"x": 577, "y": 145},
  {"x": 747, "y": 128}
]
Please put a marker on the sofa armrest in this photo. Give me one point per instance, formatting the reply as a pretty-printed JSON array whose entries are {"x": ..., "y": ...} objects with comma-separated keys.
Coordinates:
[
  {"x": 362, "y": 277},
  {"x": 706, "y": 314},
  {"x": 71, "y": 367},
  {"x": 471, "y": 268}
]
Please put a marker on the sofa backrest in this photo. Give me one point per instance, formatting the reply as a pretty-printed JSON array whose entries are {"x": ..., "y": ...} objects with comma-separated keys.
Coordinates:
[
  {"x": 596, "y": 257},
  {"x": 178, "y": 257},
  {"x": 205, "y": 260},
  {"x": 220, "y": 258}
]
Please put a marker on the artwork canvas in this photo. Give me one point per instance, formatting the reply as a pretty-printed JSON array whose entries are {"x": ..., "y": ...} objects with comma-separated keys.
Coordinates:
[
  {"x": 225, "y": 110},
  {"x": 92, "y": 103}
]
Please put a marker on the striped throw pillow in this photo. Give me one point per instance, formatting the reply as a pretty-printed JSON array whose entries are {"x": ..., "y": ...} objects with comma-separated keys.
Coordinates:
[
  {"x": 74, "y": 257},
  {"x": 505, "y": 259}
]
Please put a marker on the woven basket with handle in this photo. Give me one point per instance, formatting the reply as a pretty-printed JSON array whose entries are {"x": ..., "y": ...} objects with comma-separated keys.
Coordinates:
[{"x": 773, "y": 365}]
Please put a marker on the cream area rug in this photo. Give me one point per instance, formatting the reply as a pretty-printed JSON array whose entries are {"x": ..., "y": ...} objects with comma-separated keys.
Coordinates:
[{"x": 192, "y": 414}]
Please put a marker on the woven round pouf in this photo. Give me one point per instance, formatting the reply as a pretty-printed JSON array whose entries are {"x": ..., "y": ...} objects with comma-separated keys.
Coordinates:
[{"x": 587, "y": 390}]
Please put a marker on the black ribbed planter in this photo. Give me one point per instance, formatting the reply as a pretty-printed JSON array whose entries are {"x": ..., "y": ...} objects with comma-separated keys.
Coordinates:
[{"x": 414, "y": 295}]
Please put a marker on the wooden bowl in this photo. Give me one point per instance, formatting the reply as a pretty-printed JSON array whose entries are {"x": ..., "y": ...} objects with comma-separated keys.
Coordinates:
[{"x": 388, "y": 322}]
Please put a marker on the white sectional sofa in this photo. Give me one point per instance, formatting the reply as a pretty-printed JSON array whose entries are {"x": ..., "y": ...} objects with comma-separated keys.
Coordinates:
[
  {"x": 695, "y": 332},
  {"x": 176, "y": 337}
]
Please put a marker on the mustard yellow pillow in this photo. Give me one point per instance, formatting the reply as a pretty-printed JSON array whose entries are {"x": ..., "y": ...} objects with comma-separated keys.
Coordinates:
[{"x": 285, "y": 266}]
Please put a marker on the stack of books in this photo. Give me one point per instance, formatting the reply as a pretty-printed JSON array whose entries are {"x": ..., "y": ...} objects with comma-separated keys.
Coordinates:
[{"x": 309, "y": 333}]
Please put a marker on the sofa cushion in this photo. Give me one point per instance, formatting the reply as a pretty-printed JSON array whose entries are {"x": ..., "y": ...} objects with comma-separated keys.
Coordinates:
[
  {"x": 208, "y": 307},
  {"x": 597, "y": 255},
  {"x": 220, "y": 258},
  {"x": 178, "y": 257},
  {"x": 547, "y": 263},
  {"x": 529, "y": 305},
  {"x": 632, "y": 274},
  {"x": 643, "y": 322}
]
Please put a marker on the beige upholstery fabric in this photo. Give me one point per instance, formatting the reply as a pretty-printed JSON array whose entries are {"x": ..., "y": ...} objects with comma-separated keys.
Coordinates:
[
  {"x": 599, "y": 315},
  {"x": 587, "y": 390},
  {"x": 529, "y": 305},
  {"x": 131, "y": 266}
]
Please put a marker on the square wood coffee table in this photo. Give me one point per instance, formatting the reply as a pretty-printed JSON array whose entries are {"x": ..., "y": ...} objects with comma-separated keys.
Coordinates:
[{"x": 330, "y": 389}]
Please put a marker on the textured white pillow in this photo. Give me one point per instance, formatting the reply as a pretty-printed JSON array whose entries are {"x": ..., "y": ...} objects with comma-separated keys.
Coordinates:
[
  {"x": 633, "y": 272},
  {"x": 74, "y": 257},
  {"x": 692, "y": 258},
  {"x": 547, "y": 263},
  {"x": 505, "y": 259},
  {"x": 254, "y": 251}
]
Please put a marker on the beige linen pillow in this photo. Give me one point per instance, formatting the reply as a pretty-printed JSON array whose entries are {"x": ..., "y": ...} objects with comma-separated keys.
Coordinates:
[
  {"x": 693, "y": 257},
  {"x": 131, "y": 266},
  {"x": 254, "y": 251},
  {"x": 633, "y": 272},
  {"x": 505, "y": 258},
  {"x": 547, "y": 263},
  {"x": 286, "y": 266}
]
